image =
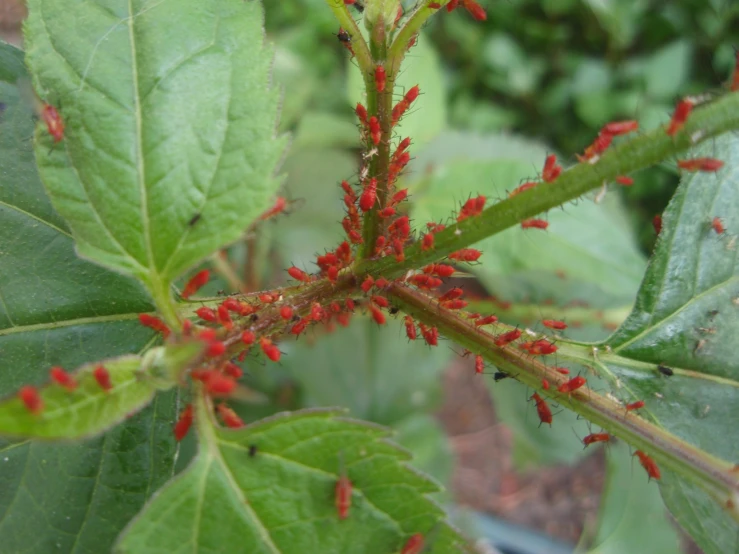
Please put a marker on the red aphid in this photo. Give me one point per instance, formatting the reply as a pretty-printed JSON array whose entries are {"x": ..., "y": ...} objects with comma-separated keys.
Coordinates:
[
  {"x": 398, "y": 197},
  {"x": 518, "y": 190},
  {"x": 184, "y": 422},
  {"x": 195, "y": 283},
  {"x": 206, "y": 314},
  {"x": 375, "y": 130},
  {"x": 562, "y": 370},
  {"x": 381, "y": 301},
  {"x": 410, "y": 328},
  {"x": 229, "y": 417},
  {"x": 487, "y": 320},
  {"x": 248, "y": 338},
  {"x": 648, "y": 464},
  {"x": 554, "y": 324},
  {"x": 62, "y": 378},
  {"x": 457, "y": 304},
  {"x": 624, "y": 180},
  {"x": 267, "y": 298},
  {"x": 551, "y": 169},
  {"x": 451, "y": 294},
  {"x": 298, "y": 274},
  {"x": 534, "y": 224},
  {"x": 596, "y": 437},
  {"x": 278, "y": 207},
  {"x": 475, "y": 10},
  {"x": 316, "y": 312},
  {"x": 616, "y": 128},
  {"x": 377, "y": 314},
  {"x": 680, "y": 116},
  {"x": 224, "y": 318},
  {"x": 479, "y": 364},
  {"x": 466, "y": 255},
  {"x": 541, "y": 347},
  {"x": 103, "y": 378},
  {"x": 381, "y": 283},
  {"x": 434, "y": 6},
  {"x": 452, "y": 5},
  {"x": 545, "y": 384},
  {"x": 380, "y": 78},
  {"x": 346, "y": 39},
  {"x": 401, "y": 107},
  {"x": 232, "y": 370},
  {"x": 571, "y": 385},
  {"x": 361, "y": 112},
  {"x": 542, "y": 408},
  {"x": 700, "y": 164},
  {"x": 369, "y": 195},
  {"x": 414, "y": 545},
  {"x": 215, "y": 348},
  {"x": 635, "y": 406},
  {"x": 507, "y": 338},
  {"x": 286, "y": 312},
  {"x": 718, "y": 226},
  {"x": 154, "y": 323},
  {"x": 31, "y": 399},
  {"x": 427, "y": 242},
  {"x": 270, "y": 349},
  {"x": 430, "y": 335},
  {"x": 657, "y": 223},
  {"x": 473, "y": 207},
  {"x": 343, "y": 496},
  {"x": 299, "y": 327},
  {"x": 367, "y": 283},
  {"x": 54, "y": 123},
  {"x": 442, "y": 270}
]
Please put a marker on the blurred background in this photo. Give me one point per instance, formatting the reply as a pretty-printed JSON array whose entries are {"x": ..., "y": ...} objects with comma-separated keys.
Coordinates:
[{"x": 539, "y": 76}]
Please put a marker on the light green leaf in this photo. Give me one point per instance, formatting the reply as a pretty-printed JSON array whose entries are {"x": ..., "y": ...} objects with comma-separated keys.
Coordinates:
[
  {"x": 169, "y": 114},
  {"x": 687, "y": 318},
  {"x": 56, "y": 309},
  {"x": 230, "y": 500}
]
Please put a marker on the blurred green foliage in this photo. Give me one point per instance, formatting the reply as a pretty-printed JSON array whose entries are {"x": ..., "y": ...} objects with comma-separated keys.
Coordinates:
[{"x": 555, "y": 70}]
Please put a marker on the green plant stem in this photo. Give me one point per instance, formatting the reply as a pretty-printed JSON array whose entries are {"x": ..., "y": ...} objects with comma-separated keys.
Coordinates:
[
  {"x": 412, "y": 27},
  {"x": 359, "y": 45},
  {"x": 706, "y": 122},
  {"x": 161, "y": 292},
  {"x": 711, "y": 474}
]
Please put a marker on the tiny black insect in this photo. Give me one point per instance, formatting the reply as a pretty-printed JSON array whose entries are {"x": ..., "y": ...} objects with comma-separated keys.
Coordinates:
[
  {"x": 666, "y": 371},
  {"x": 394, "y": 310},
  {"x": 296, "y": 317},
  {"x": 254, "y": 317},
  {"x": 499, "y": 375},
  {"x": 359, "y": 5},
  {"x": 343, "y": 36},
  {"x": 194, "y": 219},
  {"x": 252, "y": 450}
]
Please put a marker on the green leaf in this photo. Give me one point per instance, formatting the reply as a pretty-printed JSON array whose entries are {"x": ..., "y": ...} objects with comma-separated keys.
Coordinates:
[
  {"x": 11, "y": 63},
  {"x": 56, "y": 309},
  {"x": 86, "y": 411},
  {"x": 229, "y": 500},
  {"x": 687, "y": 318},
  {"x": 373, "y": 371},
  {"x": 632, "y": 517},
  {"x": 169, "y": 114}
]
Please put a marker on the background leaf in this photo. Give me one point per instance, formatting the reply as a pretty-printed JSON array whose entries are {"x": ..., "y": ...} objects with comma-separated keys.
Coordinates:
[
  {"x": 59, "y": 310},
  {"x": 228, "y": 499},
  {"x": 168, "y": 115}
]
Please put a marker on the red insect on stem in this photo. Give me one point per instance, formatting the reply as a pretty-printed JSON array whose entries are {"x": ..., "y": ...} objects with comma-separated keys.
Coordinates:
[
  {"x": 401, "y": 107},
  {"x": 184, "y": 422},
  {"x": 680, "y": 116},
  {"x": 248, "y": 338},
  {"x": 377, "y": 314},
  {"x": 414, "y": 545},
  {"x": 206, "y": 314},
  {"x": 507, "y": 338},
  {"x": 648, "y": 464},
  {"x": 427, "y": 242},
  {"x": 361, "y": 112},
  {"x": 195, "y": 283},
  {"x": 53, "y": 121},
  {"x": 616, "y": 128},
  {"x": 451, "y": 294},
  {"x": 434, "y": 6},
  {"x": 596, "y": 437},
  {"x": 346, "y": 40},
  {"x": 521, "y": 188},
  {"x": 551, "y": 170},
  {"x": 718, "y": 226},
  {"x": 286, "y": 312},
  {"x": 277, "y": 208},
  {"x": 473, "y": 207},
  {"x": 479, "y": 364},
  {"x": 466, "y": 255},
  {"x": 31, "y": 399},
  {"x": 635, "y": 406},
  {"x": 298, "y": 274},
  {"x": 410, "y": 328},
  {"x": 229, "y": 417},
  {"x": 486, "y": 320},
  {"x": 554, "y": 324},
  {"x": 572, "y": 385},
  {"x": 62, "y": 378},
  {"x": 700, "y": 164},
  {"x": 270, "y": 349},
  {"x": 624, "y": 180},
  {"x": 475, "y": 10},
  {"x": 542, "y": 408},
  {"x": 534, "y": 224},
  {"x": 154, "y": 323},
  {"x": 375, "y": 130},
  {"x": 103, "y": 378},
  {"x": 380, "y": 78},
  {"x": 562, "y": 370},
  {"x": 369, "y": 195}
]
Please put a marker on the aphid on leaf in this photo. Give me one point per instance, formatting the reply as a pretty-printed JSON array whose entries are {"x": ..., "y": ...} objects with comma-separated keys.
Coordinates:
[
  {"x": 542, "y": 408},
  {"x": 700, "y": 164},
  {"x": 31, "y": 399},
  {"x": 657, "y": 224},
  {"x": 427, "y": 242},
  {"x": 635, "y": 406},
  {"x": 718, "y": 226},
  {"x": 554, "y": 324},
  {"x": 229, "y": 417},
  {"x": 466, "y": 255},
  {"x": 184, "y": 422},
  {"x": 414, "y": 545},
  {"x": 154, "y": 323},
  {"x": 571, "y": 385},
  {"x": 103, "y": 378},
  {"x": 666, "y": 371},
  {"x": 596, "y": 437},
  {"x": 53, "y": 121},
  {"x": 195, "y": 283},
  {"x": 680, "y": 116},
  {"x": 534, "y": 224},
  {"x": 648, "y": 464},
  {"x": 62, "y": 378},
  {"x": 270, "y": 349}
]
